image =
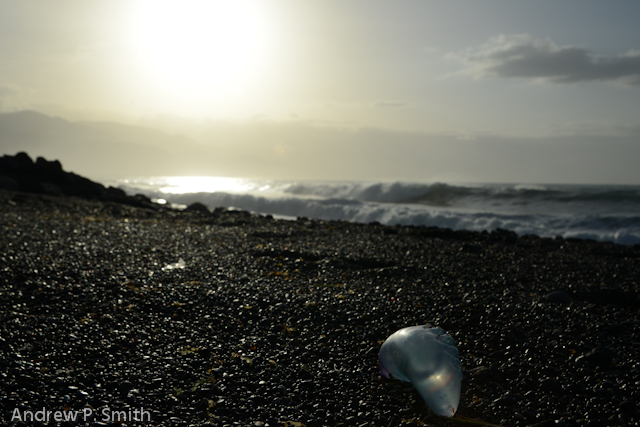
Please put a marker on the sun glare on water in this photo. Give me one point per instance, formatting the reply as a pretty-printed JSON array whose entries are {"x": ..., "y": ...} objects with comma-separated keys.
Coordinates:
[
  {"x": 199, "y": 46},
  {"x": 203, "y": 184}
]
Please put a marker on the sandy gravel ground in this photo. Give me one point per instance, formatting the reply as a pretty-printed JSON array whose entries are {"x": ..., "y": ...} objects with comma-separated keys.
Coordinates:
[{"x": 229, "y": 318}]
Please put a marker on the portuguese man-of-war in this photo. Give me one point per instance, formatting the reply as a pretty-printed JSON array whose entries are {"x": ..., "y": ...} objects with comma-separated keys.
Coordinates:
[{"x": 427, "y": 357}]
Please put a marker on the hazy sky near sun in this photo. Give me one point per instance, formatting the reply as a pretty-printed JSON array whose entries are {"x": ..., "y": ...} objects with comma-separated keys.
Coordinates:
[{"x": 514, "y": 72}]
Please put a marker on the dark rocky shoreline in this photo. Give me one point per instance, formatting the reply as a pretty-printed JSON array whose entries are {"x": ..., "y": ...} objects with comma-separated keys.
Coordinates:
[
  {"x": 21, "y": 173},
  {"x": 276, "y": 322}
]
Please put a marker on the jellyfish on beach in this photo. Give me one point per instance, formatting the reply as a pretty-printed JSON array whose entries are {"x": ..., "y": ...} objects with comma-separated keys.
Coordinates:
[{"x": 427, "y": 357}]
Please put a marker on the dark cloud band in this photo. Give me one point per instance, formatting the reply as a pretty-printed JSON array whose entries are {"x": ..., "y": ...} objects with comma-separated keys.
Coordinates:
[{"x": 523, "y": 56}]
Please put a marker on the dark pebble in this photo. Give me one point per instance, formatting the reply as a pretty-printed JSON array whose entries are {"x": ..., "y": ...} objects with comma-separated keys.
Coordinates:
[
  {"x": 558, "y": 296},
  {"x": 599, "y": 356},
  {"x": 628, "y": 407},
  {"x": 198, "y": 207}
]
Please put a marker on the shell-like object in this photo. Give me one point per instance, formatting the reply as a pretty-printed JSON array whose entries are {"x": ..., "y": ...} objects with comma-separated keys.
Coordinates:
[{"x": 428, "y": 358}]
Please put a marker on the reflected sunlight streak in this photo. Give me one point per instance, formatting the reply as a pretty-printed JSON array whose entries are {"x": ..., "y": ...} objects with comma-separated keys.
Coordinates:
[{"x": 202, "y": 184}]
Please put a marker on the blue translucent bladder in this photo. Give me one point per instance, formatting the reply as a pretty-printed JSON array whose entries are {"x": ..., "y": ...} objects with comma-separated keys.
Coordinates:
[{"x": 427, "y": 357}]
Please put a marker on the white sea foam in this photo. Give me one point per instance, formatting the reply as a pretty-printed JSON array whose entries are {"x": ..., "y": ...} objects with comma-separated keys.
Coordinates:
[{"x": 606, "y": 213}]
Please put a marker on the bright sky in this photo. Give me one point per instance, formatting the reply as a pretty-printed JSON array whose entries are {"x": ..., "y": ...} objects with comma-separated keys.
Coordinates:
[{"x": 538, "y": 71}]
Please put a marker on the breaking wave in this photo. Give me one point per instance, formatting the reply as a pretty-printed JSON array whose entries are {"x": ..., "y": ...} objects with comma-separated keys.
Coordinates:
[{"x": 605, "y": 213}]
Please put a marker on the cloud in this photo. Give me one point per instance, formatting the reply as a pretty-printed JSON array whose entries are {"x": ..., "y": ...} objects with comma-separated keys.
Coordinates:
[
  {"x": 523, "y": 56},
  {"x": 390, "y": 104},
  {"x": 368, "y": 105},
  {"x": 466, "y": 137},
  {"x": 13, "y": 97},
  {"x": 9, "y": 89},
  {"x": 84, "y": 52}
]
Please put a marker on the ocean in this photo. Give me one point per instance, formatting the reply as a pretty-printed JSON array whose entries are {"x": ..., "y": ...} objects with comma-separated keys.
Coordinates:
[{"x": 599, "y": 212}]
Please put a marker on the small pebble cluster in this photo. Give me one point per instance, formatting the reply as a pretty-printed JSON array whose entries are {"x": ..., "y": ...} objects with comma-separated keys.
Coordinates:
[{"x": 226, "y": 318}]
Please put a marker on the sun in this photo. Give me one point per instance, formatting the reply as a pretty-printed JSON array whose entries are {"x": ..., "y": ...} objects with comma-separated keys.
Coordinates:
[{"x": 199, "y": 46}]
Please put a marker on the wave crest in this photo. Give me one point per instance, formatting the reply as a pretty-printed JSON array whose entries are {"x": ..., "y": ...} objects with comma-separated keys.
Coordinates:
[{"x": 606, "y": 213}]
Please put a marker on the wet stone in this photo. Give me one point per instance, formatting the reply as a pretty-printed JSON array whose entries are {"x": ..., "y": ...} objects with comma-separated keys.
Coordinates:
[
  {"x": 599, "y": 356},
  {"x": 558, "y": 297}
]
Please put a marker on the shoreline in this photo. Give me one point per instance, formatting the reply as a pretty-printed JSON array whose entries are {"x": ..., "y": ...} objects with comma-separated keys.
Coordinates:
[
  {"x": 21, "y": 173},
  {"x": 273, "y": 321}
]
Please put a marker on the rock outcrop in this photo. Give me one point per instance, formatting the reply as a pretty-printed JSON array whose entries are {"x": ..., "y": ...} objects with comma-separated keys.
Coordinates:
[{"x": 21, "y": 173}]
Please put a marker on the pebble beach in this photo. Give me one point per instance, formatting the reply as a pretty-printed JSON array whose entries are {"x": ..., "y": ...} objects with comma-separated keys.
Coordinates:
[{"x": 228, "y": 318}]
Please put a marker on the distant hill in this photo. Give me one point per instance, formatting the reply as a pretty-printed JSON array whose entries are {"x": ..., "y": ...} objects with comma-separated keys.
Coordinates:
[
  {"x": 101, "y": 150},
  {"x": 275, "y": 149}
]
